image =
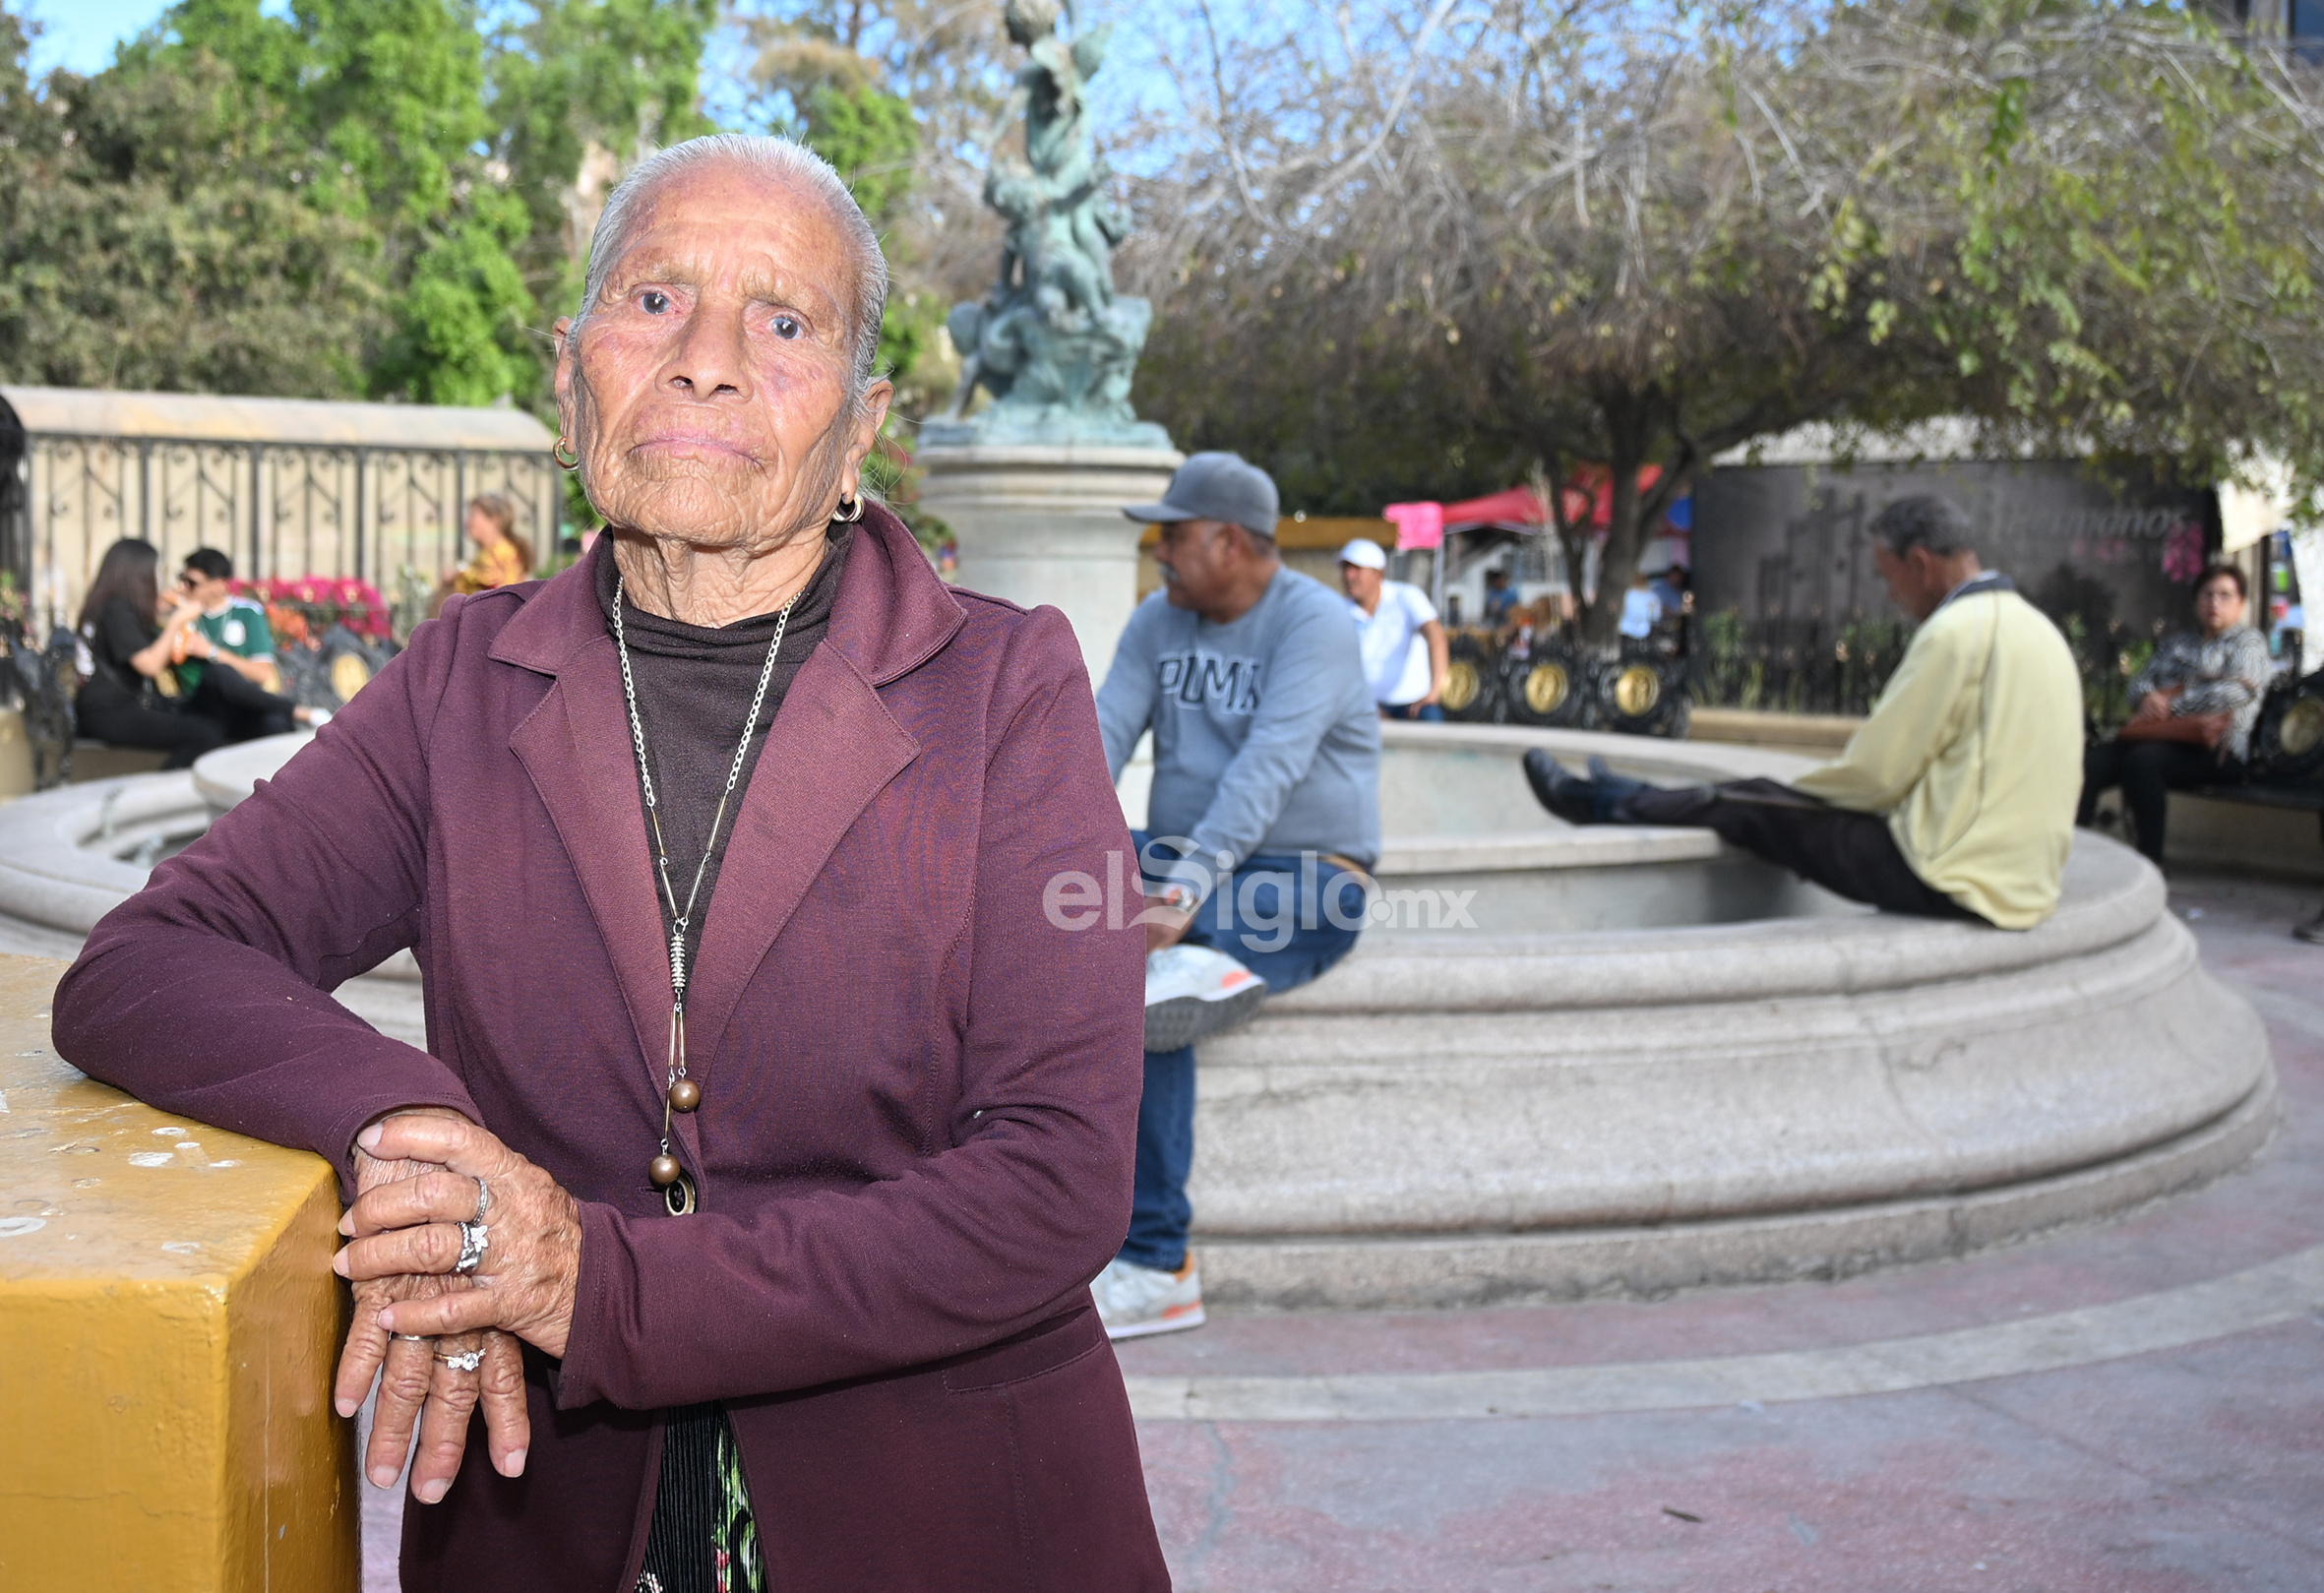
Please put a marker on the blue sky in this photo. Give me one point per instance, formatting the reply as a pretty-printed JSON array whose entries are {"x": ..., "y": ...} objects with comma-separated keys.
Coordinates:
[{"x": 81, "y": 33}]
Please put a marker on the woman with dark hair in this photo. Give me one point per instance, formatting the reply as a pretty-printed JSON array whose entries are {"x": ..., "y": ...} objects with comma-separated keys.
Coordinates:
[
  {"x": 2198, "y": 700},
  {"x": 130, "y": 650}
]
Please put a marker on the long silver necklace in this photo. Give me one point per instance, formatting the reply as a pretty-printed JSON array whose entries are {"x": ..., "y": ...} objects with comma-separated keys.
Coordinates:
[{"x": 679, "y": 1092}]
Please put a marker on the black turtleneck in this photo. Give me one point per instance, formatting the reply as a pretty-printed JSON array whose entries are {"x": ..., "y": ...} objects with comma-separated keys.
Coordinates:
[{"x": 693, "y": 692}]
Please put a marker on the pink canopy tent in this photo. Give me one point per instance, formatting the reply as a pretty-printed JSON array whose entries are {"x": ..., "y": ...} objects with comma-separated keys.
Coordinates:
[
  {"x": 1516, "y": 509},
  {"x": 1518, "y": 512}
]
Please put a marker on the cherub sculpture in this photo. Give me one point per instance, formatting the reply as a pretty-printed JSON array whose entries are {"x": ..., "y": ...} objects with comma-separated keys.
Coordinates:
[{"x": 1052, "y": 343}]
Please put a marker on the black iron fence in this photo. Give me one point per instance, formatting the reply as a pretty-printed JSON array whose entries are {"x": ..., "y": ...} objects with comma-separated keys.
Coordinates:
[{"x": 1819, "y": 666}]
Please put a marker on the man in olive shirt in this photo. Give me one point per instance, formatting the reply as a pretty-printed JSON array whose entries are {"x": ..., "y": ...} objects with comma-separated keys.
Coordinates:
[{"x": 1956, "y": 797}]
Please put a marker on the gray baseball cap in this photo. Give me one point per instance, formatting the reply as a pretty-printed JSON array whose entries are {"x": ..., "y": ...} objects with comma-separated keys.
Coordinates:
[{"x": 1215, "y": 486}]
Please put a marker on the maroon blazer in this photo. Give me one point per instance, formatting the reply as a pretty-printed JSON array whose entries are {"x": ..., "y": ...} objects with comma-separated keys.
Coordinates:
[{"x": 919, "y": 1095}]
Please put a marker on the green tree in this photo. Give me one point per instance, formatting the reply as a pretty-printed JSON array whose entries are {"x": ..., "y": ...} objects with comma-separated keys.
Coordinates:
[
  {"x": 395, "y": 88},
  {"x": 160, "y": 230},
  {"x": 370, "y": 197},
  {"x": 580, "y": 90},
  {"x": 873, "y": 141},
  {"x": 383, "y": 102},
  {"x": 1580, "y": 234}
]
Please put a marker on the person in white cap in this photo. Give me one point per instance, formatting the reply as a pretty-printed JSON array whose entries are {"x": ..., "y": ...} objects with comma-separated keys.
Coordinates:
[
  {"x": 1262, "y": 827},
  {"x": 1405, "y": 652}
]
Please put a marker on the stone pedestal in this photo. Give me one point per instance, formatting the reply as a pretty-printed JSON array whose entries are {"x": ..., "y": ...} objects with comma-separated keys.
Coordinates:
[{"x": 1044, "y": 525}]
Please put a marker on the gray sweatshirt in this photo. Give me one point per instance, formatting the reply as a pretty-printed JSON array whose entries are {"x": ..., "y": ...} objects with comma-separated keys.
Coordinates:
[{"x": 1265, "y": 735}]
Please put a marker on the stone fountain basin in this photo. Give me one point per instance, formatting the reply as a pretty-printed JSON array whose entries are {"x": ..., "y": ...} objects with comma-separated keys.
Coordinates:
[
  {"x": 70, "y": 856},
  {"x": 1590, "y": 1094},
  {"x": 1457, "y": 815},
  {"x": 1652, "y": 1063}
]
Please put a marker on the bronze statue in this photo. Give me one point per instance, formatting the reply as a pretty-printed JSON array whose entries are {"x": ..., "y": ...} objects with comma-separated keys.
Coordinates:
[{"x": 1053, "y": 344}]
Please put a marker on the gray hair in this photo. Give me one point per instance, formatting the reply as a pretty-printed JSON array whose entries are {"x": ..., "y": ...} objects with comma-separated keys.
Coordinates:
[
  {"x": 1925, "y": 521},
  {"x": 782, "y": 161}
]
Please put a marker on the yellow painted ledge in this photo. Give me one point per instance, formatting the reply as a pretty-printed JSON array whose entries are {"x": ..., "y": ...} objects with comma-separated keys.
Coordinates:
[{"x": 168, "y": 1323}]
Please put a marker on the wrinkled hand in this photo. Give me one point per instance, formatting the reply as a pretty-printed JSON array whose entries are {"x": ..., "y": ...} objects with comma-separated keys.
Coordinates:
[
  {"x": 416, "y": 1389},
  {"x": 410, "y": 1227}
]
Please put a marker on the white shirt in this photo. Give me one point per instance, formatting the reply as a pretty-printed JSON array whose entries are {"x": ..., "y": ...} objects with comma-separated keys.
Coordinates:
[
  {"x": 1395, "y": 658},
  {"x": 1640, "y": 611}
]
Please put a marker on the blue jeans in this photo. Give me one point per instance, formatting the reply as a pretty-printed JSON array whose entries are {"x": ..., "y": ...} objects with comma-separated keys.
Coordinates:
[
  {"x": 1268, "y": 903},
  {"x": 1428, "y": 713}
]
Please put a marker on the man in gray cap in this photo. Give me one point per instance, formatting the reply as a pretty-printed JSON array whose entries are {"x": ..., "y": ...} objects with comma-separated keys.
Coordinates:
[{"x": 1263, "y": 827}]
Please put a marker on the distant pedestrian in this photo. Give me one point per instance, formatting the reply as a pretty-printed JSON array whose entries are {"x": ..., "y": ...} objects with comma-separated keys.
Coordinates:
[
  {"x": 2198, "y": 702},
  {"x": 1402, "y": 640},
  {"x": 1500, "y": 598},
  {"x": 1642, "y": 608},
  {"x": 1668, "y": 579},
  {"x": 502, "y": 556}
]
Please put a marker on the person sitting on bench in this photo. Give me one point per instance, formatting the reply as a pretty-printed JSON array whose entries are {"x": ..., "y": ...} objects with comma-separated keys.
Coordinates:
[
  {"x": 133, "y": 642},
  {"x": 2198, "y": 702},
  {"x": 1955, "y": 799},
  {"x": 228, "y": 672}
]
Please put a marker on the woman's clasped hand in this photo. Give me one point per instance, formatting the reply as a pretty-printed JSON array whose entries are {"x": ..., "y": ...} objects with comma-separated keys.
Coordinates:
[{"x": 443, "y": 1343}]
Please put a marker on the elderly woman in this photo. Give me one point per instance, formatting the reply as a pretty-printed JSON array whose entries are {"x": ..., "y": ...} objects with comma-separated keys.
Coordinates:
[
  {"x": 770, "y": 1129},
  {"x": 2198, "y": 702}
]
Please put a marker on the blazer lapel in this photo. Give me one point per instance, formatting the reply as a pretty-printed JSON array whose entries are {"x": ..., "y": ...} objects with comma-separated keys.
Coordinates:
[
  {"x": 831, "y": 750},
  {"x": 579, "y": 761}
]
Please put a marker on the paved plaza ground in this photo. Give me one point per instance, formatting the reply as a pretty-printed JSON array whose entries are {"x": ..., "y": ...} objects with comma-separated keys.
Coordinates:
[{"x": 2199, "y": 1465}]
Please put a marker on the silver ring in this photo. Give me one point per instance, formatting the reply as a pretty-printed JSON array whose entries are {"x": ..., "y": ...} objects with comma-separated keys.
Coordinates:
[
  {"x": 465, "y": 1360},
  {"x": 413, "y": 1338},
  {"x": 474, "y": 1239},
  {"x": 483, "y": 1198}
]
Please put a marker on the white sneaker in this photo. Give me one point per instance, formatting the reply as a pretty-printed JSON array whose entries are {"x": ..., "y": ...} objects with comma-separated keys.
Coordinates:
[
  {"x": 1192, "y": 992},
  {"x": 1136, "y": 1300}
]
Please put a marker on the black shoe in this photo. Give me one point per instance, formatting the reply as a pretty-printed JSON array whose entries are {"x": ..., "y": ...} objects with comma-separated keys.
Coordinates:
[{"x": 1568, "y": 796}]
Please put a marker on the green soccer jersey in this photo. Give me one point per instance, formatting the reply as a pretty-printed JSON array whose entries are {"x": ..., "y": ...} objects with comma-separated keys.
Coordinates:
[{"x": 240, "y": 627}]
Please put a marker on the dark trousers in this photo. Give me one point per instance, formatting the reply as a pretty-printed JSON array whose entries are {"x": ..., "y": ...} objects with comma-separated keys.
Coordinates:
[
  {"x": 118, "y": 719},
  {"x": 241, "y": 708},
  {"x": 1851, "y": 854},
  {"x": 1274, "y": 902},
  {"x": 2148, "y": 772}
]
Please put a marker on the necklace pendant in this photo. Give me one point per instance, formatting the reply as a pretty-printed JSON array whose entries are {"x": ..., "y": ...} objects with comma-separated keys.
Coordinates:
[
  {"x": 685, "y": 1095},
  {"x": 664, "y": 1171}
]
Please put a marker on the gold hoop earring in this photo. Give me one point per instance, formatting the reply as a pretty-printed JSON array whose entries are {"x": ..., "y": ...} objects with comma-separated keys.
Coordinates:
[
  {"x": 564, "y": 454},
  {"x": 855, "y": 505}
]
